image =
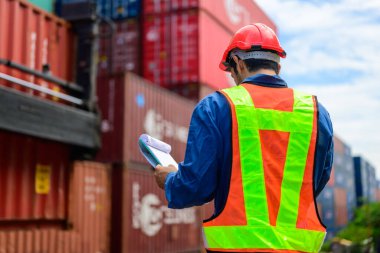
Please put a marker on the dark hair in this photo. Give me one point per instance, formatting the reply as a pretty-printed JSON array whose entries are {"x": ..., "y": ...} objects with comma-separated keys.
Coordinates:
[{"x": 256, "y": 64}]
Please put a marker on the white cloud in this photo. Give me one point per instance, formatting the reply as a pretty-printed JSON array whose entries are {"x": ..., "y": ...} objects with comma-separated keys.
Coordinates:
[{"x": 324, "y": 38}]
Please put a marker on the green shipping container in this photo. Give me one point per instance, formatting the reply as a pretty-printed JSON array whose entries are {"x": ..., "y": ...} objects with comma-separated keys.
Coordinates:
[{"x": 46, "y": 5}]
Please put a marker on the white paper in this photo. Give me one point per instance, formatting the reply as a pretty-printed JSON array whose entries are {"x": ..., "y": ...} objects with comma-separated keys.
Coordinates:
[{"x": 164, "y": 158}]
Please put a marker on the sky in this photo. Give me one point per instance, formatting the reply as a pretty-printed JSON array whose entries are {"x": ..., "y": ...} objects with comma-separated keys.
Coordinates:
[{"x": 333, "y": 51}]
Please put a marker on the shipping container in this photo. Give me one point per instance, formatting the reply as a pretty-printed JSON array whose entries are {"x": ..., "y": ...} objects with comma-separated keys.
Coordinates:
[
  {"x": 344, "y": 176},
  {"x": 122, "y": 9},
  {"x": 142, "y": 222},
  {"x": 365, "y": 181},
  {"x": 47, "y": 5},
  {"x": 157, "y": 49},
  {"x": 40, "y": 240},
  {"x": 340, "y": 208},
  {"x": 90, "y": 205},
  {"x": 131, "y": 106},
  {"x": 110, "y": 9},
  {"x": 33, "y": 179},
  {"x": 41, "y": 42},
  {"x": 120, "y": 50},
  {"x": 178, "y": 49},
  {"x": 232, "y": 14}
]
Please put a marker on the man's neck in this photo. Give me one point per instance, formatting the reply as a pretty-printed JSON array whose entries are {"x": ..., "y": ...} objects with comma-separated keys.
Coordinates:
[{"x": 261, "y": 71}]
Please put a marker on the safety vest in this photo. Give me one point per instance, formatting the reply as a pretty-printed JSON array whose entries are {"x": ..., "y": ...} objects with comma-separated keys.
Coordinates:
[{"x": 270, "y": 205}]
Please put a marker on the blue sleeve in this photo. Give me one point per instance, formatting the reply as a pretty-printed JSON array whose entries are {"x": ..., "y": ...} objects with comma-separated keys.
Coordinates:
[
  {"x": 324, "y": 151},
  {"x": 195, "y": 182}
]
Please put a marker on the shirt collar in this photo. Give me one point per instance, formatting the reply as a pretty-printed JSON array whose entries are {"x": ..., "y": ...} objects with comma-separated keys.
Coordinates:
[{"x": 266, "y": 80}]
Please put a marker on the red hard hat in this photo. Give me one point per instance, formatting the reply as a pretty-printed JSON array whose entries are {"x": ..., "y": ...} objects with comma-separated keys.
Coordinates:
[{"x": 253, "y": 38}]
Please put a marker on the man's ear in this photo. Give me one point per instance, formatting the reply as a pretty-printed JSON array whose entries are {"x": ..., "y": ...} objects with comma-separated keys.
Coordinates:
[
  {"x": 279, "y": 68},
  {"x": 239, "y": 64}
]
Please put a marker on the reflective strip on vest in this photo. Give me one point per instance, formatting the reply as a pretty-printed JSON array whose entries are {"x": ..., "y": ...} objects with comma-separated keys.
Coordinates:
[{"x": 258, "y": 233}]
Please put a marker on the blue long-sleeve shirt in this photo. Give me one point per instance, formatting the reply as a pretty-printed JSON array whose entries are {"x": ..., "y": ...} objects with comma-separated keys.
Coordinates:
[{"x": 205, "y": 172}]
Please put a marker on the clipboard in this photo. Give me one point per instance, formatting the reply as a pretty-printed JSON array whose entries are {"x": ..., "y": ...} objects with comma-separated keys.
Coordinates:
[{"x": 156, "y": 152}]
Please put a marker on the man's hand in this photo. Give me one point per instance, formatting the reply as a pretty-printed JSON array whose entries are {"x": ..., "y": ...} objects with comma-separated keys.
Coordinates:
[{"x": 161, "y": 172}]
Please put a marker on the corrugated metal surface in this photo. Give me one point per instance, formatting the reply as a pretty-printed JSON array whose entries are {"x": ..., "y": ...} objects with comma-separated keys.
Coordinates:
[
  {"x": 89, "y": 209},
  {"x": 178, "y": 35},
  {"x": 33, "y": 178},
  {"x": 40, "y": 38},
  {"x": 157, "y": 49},
  {"x": 40, "y": 240},
  {"x": 131, "y": 106},
  {"x": 148, "y": 225},
  {"x": 120, "y": 52},
  {"x": 232, "y": 14},
  {"x": 184, "y": 47}
]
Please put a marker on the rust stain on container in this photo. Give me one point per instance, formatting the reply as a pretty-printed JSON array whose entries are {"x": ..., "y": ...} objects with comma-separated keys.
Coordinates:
[
  {"x": 20, "y": 157},
  {"x": 90, "y": 205},
  {"x": 131, "y": 106},
  {"x": 143, "y": 222},
  {"x": 40, "y": 38}
]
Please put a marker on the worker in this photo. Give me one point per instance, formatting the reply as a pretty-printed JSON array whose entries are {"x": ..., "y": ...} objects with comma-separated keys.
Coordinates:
[{"x": 262, "y": 151}]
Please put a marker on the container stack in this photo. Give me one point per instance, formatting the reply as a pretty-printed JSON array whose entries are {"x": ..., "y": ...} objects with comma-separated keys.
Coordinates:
[
  {"x": 170, "y": 45},
  {"x": 179, "y": 51},
  {"x": 338, "y": 200},
  {"x": 120, "y": 39},
  {"x": 140, "y": 220},
  {"x": 365, "y": 181},
  {"x": 44, "y": 129}
]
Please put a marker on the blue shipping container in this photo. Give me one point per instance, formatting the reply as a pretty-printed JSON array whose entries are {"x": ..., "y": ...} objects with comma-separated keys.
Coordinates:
[
  {"x": 365, "y": 181},
  {"x": 122, "y": 9},
  {"x": 112, "y": 9}
]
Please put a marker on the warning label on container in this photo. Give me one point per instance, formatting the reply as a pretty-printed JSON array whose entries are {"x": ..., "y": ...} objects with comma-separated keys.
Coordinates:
[{"x": 43, "y": 174}]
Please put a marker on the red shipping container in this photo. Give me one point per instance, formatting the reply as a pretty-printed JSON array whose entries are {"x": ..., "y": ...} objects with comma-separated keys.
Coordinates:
[
  {"x": 90, "y": 205},
  {"x": 120, "y": 52},
  {"x": 131, "y": 106},
  {"x": 157, "y": 49},
  {"x": 40, "y": 38},
  {"x": 232, "y": 14},
  {"x": 144, "y": 223},
  {"x": 184, "y": 47},
  {"x": 340, "y": 208},
  {"x": 40, "y": 240},
  {"x": 33, "y": 178},
  {"x": 191, "y": 51}
]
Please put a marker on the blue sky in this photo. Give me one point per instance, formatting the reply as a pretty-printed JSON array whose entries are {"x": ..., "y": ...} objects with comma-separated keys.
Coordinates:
[{"x": 333, "y": 52}]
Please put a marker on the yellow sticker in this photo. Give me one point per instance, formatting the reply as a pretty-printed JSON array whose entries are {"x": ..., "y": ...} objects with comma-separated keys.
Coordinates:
[{"x": 43, "y": 174}]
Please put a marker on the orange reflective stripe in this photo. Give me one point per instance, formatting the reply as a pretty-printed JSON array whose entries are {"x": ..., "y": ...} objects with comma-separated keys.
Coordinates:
[
  {"x": 307, "y": 212},
  {"x": 280, "y": 99},
  {"x": 273, "y": 145},
  {"x": 236, "y": 207}
]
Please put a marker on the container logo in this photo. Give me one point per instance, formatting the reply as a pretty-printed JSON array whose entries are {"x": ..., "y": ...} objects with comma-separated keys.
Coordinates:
[
  {"x": 236, "y": 12},
  {"x": 150, "y": 215},
  {"x": 158, "y": 127}
]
